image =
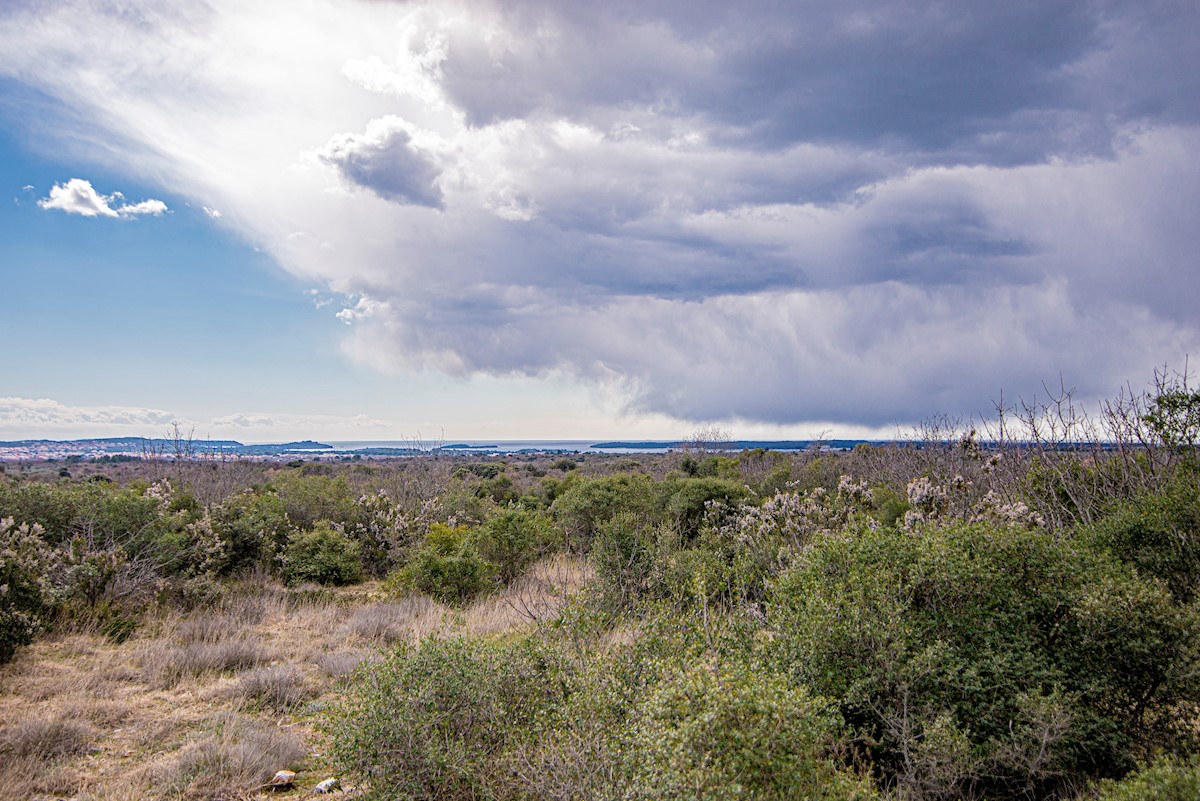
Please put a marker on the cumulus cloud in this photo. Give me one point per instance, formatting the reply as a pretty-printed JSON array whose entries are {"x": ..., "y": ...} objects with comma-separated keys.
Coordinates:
[
  {"x": 78, "y": 196},
  {"x": 854, "y": 212},
  {"x": 386, "y": 161}
]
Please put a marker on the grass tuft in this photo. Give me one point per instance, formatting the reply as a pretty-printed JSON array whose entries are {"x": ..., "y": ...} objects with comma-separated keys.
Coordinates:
[
  {"x": 46, "y": 739},
  {"x": 240, "y": 756},
  {"x": 280, "y": 688}
]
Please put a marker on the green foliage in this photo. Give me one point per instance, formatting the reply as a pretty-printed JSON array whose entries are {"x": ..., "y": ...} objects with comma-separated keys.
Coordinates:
[
  {"x": 253, "y": 526},
  {"x": 1159, "y": 534},
  {"x": 447, "y": 565},
  {"x": 685, "y": 503},
  {"x": 623, "y": 557},
  {"x": 99, "y": 511},
  {"x": 514, "y": 539},
  {"x": 1173, "y": 417},
  {"x": 590, "y": 502},
  {"x": 710, "y": 467},
  {"x": 309, "y": 498},
  {"x": 1168, "y": 779},
  {"x": 993, "y": 658},
  {"x": 434, "y": 721},
  {"x": 718, "y": 731},
  {"x": 323, "y": 555}
]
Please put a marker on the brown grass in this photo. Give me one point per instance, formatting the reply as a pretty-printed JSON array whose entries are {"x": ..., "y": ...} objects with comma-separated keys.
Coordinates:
[
  {"x": 238, "y": 757},
  {"x": 165, "y": 665},
  {"x": 389, "y": 622},
  {"x": 209, "y": 704},
  {"x": 280, "y": 688},
  {"x": 46, "y": 739}
]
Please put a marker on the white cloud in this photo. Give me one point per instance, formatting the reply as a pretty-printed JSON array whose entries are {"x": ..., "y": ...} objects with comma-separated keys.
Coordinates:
[
  {"x": 21, "y": 416},
  {"x": 774, "y": 214},
  {"x": 212, "y": 213},
  {"x": 78, "y": 196}
]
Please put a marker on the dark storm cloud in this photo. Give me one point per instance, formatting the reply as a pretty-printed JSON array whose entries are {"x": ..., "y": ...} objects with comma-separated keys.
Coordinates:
[{"x": 857, "y": 211}]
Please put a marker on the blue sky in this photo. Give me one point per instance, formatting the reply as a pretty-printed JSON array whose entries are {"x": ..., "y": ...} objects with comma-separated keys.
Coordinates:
[{"x": 380, "y": 220}]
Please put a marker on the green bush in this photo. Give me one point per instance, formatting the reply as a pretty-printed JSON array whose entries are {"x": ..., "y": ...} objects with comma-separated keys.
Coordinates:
[
  {"x": 514, "y": 539},
  {"x": 253, "y": 527},
  {"x": 718, "y": 731},
  {"x": 435, "y": 721},
  {"x": 686, "y": 502},
  {"x": 1168, "y": 779},
  {"x": 1159, "y": 534},
  {"x": 993, "y": 660},
  {"x": 309, "y": 498},
  {"x": 590, "y": 502},
  {"x": 623, "y": 555},
  {"x": 447, "y": 565},
  {"x": 323, "y": 555}
]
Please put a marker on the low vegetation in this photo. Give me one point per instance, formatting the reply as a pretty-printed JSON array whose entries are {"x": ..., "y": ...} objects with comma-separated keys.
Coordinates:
[{"x": 1010, "y": 612}]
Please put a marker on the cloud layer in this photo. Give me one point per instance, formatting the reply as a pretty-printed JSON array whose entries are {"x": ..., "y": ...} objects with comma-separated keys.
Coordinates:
[{"x": 860, "y": 212}]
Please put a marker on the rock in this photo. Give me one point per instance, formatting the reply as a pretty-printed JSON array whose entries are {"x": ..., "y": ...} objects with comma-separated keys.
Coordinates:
[
  {"x": 327, "y": 786},
  {"x": 283, "y": 780}
]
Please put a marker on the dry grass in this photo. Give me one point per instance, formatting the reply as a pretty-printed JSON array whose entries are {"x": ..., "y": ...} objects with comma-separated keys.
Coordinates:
[
  {"x": 340, "y": 664},
  {"x": 280, "y": 688},
  {"x": 211, "y": 703},
  {"x": 238, "y": 757},
  {"x": 165, "y": 665},
  {"x": 389, "y": 622},
  {"x": 46, "y": 739}
]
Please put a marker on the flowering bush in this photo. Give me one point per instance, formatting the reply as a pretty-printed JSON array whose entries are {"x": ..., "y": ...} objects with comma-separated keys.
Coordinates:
[{"x": 25, "y": 593}]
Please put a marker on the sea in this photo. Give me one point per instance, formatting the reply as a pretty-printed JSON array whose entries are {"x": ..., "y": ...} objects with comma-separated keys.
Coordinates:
[{"x": 511, "y": 445}]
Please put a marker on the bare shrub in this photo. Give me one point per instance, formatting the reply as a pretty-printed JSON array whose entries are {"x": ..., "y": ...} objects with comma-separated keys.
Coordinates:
[
  {"x": 280, "y": 688},
  {"x": 46, "y": 739},
  {"x": 542, "y": 591},
  {"x": 241, "y": 755}
]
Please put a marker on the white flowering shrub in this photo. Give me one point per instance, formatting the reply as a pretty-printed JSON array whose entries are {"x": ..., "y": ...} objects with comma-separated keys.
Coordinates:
[
  {"x": 385, "y": 532},
  {"x": 25, "y": 592}
]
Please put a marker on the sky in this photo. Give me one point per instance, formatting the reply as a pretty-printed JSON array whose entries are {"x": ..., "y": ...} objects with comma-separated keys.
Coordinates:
[{"x": 373, "y": 219}]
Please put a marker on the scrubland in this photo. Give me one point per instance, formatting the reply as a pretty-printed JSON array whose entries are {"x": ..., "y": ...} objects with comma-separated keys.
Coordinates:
[{"x": 1007, "y": 610}]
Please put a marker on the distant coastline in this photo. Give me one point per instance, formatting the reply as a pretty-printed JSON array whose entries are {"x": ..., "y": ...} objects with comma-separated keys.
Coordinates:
[{"x": 129, "y": 448}]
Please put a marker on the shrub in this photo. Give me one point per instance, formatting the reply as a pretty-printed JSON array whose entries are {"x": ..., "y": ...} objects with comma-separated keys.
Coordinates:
[
  {"x": 253, "y": 527},
  {"x": 280, "y": 688},
  {"x": 1159, "y": 534},
  {"x": 718, "y": 731},
  {"x": 323, "y": 555},
  {"x": 993, "y": 660},
  {"x": 25, "y": 599},
  {"x": 1168, "y": 779},
  {"x": 447, "y": 565},
  {"x": 514, "y": 539},
  {"x": 623, "y": 555},
  {"x": 687, "y": 502},
  {"x": 590, "y": 502},
  {"x": 434, "y": 721}
]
